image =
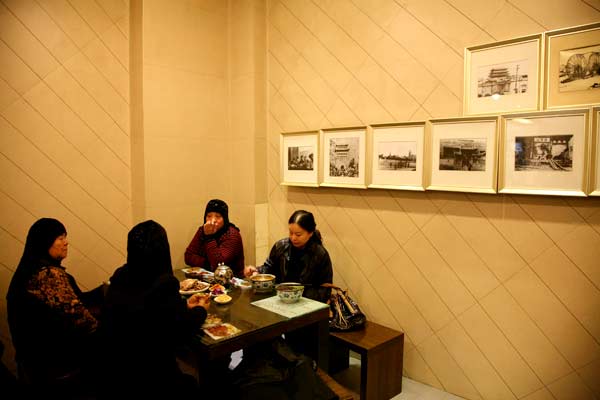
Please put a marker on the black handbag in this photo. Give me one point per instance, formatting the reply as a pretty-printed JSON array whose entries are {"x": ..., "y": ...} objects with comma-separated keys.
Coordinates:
[{"x": 344, "y": 312}]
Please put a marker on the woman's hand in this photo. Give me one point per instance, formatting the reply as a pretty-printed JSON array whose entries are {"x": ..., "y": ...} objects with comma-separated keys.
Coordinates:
[
  {"x": 250, "y": 270},
  {"x": 210, "y": 227},
  {"x": 199, "y": 300}
]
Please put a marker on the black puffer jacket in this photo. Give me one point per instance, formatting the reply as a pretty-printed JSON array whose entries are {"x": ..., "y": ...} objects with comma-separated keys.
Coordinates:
[{"x": 310, "y": 266}]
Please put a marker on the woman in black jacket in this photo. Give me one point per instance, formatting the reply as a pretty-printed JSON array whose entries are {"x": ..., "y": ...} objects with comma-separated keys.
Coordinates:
[
  {"x": 145, "y": 320},
  {"x": 300, "y": 257}
]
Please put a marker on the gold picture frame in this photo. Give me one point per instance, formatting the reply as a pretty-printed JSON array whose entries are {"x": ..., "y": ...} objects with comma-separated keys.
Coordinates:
[
  {"x": 397, "y": 156},
  {"x": 344, "y": 157},
  {"x": 594, "y": 181},
  {"x": 569, "y": 82},
  {"x": 462, "y": 154},
  {"x": 503, "y": 77},
  {"x": 299, "y": 158},
  {"x": 545, "y": 153}
]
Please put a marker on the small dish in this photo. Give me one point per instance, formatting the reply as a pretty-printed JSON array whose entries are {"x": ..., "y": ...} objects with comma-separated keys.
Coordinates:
[{"x": 222, "y": 299}]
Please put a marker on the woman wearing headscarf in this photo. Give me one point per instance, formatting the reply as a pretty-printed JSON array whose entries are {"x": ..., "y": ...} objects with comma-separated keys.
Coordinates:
[
  {"x": 216, "y": 241},
  {"x": 145, "y": 321},
  {"x": 52, "y": 328}
]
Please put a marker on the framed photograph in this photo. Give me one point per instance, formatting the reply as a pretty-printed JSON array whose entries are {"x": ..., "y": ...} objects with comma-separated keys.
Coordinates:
[
  {"x": 572, "y": 67},
  {"x": 463, "y": 154},
  {"x": 299, "y": 153},
  {"x": 503, "y": 76},
  {"x": 594, "y": 185},
  {"x": 544, "y": 153},
  {"x": 344, "y": 157},
  {"x": 396, "y": 156}
]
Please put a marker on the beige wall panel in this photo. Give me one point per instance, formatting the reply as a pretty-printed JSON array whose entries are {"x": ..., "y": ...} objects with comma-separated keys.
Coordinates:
[
  {"x": 589, "y": 374},
  {"x": 552, "y": 217},
  {"x": 510, "y": 22},
  {"x": 415, "y": 366},
  {"x": 7, "y": 95},
  {"x": 474, "y": 364},
  {"x": 69, "y": 20},
  {"x": 277, "y": 73},
  {"x": 542, "y": 394},
  {"x": 443, "y": 103},
  {"x": 286, "y": 117},
  {"x": 417, "y": 81},
  {"x": 572, "y": 287},
  {"x": 109, "y": 66},
  {"x": 79, "y": 135},
  {"x": 291, "y": 26},
  {"x": 502, "y": 260},
  {"x": 16, "y": 36},
  {"x": 313, "y": 84},
  {"x": 496, "y": 348},
  {"x": 340, "y": 114},
  {"x": 449, "y": 373},
  {"x": 469, "y": 268},
  {"x": 93, "y": 14},
  {"x": 571, "y": 387},
  {"x": 43, "y": 28},
  {"x": 15, "y": 72},
  {"x": 557, "y": 14},
  {"x": 115, "y": 9},
  {"x": 387, "y": 91},
  {"x": 391, "y": 214},
  {"x": 419, "y": 291},
  {"x": 527, "y": 338},
  {"x": 105, "y": 95},
  {"x": 432, "y": 51},
  {"x": 302, "y": 104},
  {"x": 363, "y": 104},
  {"x": 85, "y": 106},
  {"x": 516, "y": 226},
  {"x": 54, "y": 146},
  {"x": 583, "y": 247},
  {"x": 561, "y": 328},
  {"x": 118, "y": 44},
  {"x": 481, "y": 11},
  {"x": 452, "y": 291}
]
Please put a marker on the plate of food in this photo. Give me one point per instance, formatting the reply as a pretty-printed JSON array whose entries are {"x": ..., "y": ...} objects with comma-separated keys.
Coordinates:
[
  {"x": 192, "y": 286},
  {"x": 222, "y": 331},
  {"x": 199, "y": 273},
  {"x": 211, "y": 320},
  {"x": 216, "y": 289},
  {"x": 222, "y": 299}
]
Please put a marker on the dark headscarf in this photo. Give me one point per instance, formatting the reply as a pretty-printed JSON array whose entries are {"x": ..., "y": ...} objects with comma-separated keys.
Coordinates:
[
  {"x": 148, "y": 255},
  {"x": 36, "y": 256}
]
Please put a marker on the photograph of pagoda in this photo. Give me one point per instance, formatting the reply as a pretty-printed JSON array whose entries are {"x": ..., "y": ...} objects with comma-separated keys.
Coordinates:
[{"x": 503, "y": 79}]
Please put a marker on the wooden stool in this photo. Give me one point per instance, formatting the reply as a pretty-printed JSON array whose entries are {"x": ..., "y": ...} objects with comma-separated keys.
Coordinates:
[{"x": 381, "y": 357}]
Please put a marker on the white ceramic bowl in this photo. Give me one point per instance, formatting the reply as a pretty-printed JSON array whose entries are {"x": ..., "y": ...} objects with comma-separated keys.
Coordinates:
[
  {"x": 289, "y": 292},
  {"x": 263, "y": 282}
]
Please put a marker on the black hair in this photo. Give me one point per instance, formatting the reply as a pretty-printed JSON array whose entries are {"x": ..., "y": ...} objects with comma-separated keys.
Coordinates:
[{"x": 306, "y": 220}]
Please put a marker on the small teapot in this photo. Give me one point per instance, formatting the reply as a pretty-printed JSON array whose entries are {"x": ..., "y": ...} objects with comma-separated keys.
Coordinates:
[{"x": 223, "y": 274}]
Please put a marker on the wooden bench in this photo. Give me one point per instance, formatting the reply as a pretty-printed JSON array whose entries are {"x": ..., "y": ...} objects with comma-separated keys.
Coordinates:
[
  {"x": 381, "y": 357},
  {"x": 340, "y": 391}
]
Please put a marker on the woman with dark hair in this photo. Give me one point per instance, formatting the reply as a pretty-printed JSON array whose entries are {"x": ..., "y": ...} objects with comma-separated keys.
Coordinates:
[
  {"x": 216, "y": 241},
  {"x": 52, "y": 328},
  {"x": 300, "y": 257},
  {"x": 145, "y": 321}
]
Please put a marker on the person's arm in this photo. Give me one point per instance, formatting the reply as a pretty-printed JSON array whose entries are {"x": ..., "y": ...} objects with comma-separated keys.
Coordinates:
[
  {"x": 52, "y": 286},
  {"x": 270, "y": 266},
  {"x": 194, "y": 254},
  {"x": 225, "y": 250},
  {"x": 323, "y": 273}
]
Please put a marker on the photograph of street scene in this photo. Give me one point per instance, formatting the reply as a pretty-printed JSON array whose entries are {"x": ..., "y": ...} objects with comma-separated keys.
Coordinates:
[
  {"x": 397, "y": 155},
  {"x": 503, "y": 79},
  {"x": 579, "y": 69},
  {"x": 300, "y": 158},
  {"x": 463, "y": 154},
  {"x": 344, "y": 157},
  {"x": 544, "y": 152}
]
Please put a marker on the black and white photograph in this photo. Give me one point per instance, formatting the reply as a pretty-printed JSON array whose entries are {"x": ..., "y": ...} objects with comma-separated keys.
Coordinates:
[
  {"x": 397, "y": 156},
  {"x": 344, "y": 157},
  {"x": 544, "y": 152},
  {"x": 301, "y": 158},
  {"x": 510, "y": 78},
  {"x": 463, "y": 154},
  {"x": 579, "y": 69}
]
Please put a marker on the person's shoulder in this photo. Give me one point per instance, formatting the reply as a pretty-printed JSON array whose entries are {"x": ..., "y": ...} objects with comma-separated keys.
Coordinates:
[{"x": 51, "y": 271}]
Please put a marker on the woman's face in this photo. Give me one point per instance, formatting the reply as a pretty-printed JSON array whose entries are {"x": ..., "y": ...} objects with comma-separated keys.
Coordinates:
[
  {"x": 59, "y": 248},
  {"x": 299, "y": 236},
  {"x": 216, "y": 219}
]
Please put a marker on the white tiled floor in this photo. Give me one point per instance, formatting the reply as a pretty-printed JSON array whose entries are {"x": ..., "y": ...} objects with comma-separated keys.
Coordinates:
[{"x": 411, "y": 390}]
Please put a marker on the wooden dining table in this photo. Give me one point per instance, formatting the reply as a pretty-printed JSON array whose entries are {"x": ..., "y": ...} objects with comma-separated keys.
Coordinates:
[{"x": 258, "y": 325}]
